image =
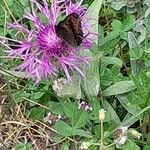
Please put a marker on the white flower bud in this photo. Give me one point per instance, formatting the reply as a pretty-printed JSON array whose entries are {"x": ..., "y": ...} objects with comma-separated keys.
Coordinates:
[
  {"x": 102, "y": 114},
  {"x": 135, "y": 133},
  {"x": 85, "y": 145}
]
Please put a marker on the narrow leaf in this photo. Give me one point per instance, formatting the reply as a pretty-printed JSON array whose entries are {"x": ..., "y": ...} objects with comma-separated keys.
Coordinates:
[
  {"x": 133, "y": 44},
  {"x": 110, "y": 113},
  {"x": 119, "y": 88},
  {"x": 111, "y": 60},
  {"x": 93, "y": 15}
]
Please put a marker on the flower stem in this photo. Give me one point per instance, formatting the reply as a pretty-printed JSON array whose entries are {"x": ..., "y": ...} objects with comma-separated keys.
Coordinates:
[
  {"x": 112, "y": 144},
  {"x": 102, "y": 135}
]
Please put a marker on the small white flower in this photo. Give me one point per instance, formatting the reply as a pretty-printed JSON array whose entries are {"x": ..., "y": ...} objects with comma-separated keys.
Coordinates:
[{"x": 120, "y": 136}]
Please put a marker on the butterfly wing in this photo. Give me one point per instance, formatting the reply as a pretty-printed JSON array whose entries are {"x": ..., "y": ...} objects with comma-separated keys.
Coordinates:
[
  {"x": 75, "y": 24},
  {"x": 64, "y": 32},
  {"x": 70, "y": 30}
]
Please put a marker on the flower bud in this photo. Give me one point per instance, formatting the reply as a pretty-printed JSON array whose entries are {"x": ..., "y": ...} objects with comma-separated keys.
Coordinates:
[
  {"x": 85, "y": 145},
  {"x": 102, "y": 114},
  {"x": 135, "y": 133}
]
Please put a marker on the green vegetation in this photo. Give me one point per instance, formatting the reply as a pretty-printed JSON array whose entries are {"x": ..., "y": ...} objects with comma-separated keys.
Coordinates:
[{"x": 53, "y": 114}]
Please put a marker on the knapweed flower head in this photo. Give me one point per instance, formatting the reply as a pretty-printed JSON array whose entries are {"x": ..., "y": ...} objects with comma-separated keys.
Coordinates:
[{"x": 42, "y": 52}]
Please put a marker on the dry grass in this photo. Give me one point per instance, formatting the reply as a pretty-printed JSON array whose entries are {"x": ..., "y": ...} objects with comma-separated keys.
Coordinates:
[{"x": 17, "y": 127}]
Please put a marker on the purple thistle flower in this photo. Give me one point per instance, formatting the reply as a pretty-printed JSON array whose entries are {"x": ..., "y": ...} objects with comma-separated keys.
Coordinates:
[{"x": 42, "y": 52}]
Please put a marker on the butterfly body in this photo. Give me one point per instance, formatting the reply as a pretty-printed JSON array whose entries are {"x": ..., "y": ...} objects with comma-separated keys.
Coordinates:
[{"x": 70, "y": 30}]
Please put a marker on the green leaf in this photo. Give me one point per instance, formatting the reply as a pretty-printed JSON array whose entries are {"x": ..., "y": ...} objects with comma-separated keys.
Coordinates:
[
  {"x": 136, "y": 65},
  {"x": 108, "y": 46},
  {"x": 24, "y": 2},
  {"x": 37, "y": 113},
  {"x": 101, "y": 33},
  {"x": 69, "y": 109},
  {"x": 23, "y": 146},
  {"x": 132, "y": 118},
  {"x": 17, "y": 9},
  {"x": 128, "y": 23},
  {"x": 117, "y": 4},
  {"x": 56, "y": 108},
  {"x": 142, "y": 82},
  {"x": 96, "y": 107},
  {"x": 65, "y": 146},
  {"x": 119, "y": 88},
  {"x": 93, "y": 12},
  {"x": 147, "y": 13},
  {"x": 112, "y": 35},
  {"x": 91, "y": 81},
  {"x": 1, "y": 31},
  {"x": 130, "y": 145},
  {"x": 110, "y": 76},
  {"x": 129, "y": 120},
  {"x": 97, "y": 130},
  {"x": 141, "y": 29},
  {"x": 19, "y": 96},
  {"x": 80, "y": 119},
  {"x": 112, "y": 60},
  {"x": 132, "y": 41},
  {"x": 124, "y": 36},
  {"x": 147, "y": 2},
  {"x": 77, "y": 117},
  {"x": 110, "y": 113},
  {"x": 146, "y": 147},
  {"x": 83, "y": 133},
  {"x": 66, "y": 130},
  {"x": 131, "y": 108},
  {"x": 10, "y": 2},
  {"x": 135, "y": 53},
  {"x": 117, "y": 25},
  {"x": 38, "y": 95}
]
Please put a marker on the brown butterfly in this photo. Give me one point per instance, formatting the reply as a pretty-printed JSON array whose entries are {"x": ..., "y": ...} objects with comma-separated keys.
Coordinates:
[
  {"x": 73, "y": 1},
  {"x": 70, "y": 30}
]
